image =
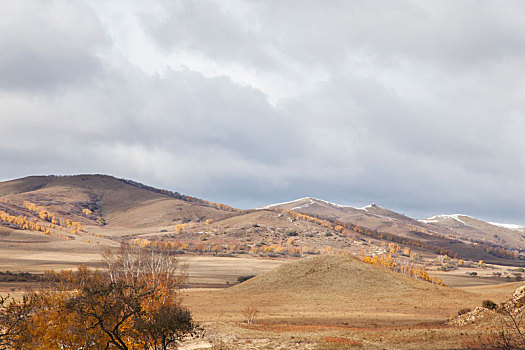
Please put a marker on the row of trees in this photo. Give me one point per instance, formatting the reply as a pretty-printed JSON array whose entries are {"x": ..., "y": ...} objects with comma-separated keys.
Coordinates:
[
  {"x": 134, "y": 305},
  {"x": 45, "y": 215},
  {"x": 399, "y": 266},
  {"x": 22, "y": 222},
  {"x": 287, "y": 248},
  {"x": 50, "y": 221}
]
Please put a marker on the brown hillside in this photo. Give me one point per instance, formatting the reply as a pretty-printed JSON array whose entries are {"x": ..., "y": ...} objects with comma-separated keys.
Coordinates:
[
  {"x": 333, "y": 287},
  {"x": 119, "y": 202},
  {"x": 266, "y": 227},
  {"x": 337, "y": 274},
  {"x": 436, "y": 232}
]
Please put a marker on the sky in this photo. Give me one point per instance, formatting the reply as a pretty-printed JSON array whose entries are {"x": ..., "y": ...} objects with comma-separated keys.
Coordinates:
[{"x": 417, "y": 106}]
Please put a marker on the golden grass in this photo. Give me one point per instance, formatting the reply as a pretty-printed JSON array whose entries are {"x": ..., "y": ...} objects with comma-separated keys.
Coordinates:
[{"x": 319, "y": 302}]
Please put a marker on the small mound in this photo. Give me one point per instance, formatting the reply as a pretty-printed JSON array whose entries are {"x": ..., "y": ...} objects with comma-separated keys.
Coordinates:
[
  {"x": 333, "y": 288},
  {"x": 334, "y": 274}
]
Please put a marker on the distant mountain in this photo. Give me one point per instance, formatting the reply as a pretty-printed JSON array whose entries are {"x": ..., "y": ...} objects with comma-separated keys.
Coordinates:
[
  {"x": 513, "y": 227},
  {"x": 373, "y": 216},
  {"x": 467, "y": 226}
]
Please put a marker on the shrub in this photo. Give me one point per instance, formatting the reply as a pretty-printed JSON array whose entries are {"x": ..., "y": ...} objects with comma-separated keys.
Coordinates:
[
  {"x": 463, "y": 311},
  {"x": 249, "y": 313},
  {"x": 489, "y": 304}
]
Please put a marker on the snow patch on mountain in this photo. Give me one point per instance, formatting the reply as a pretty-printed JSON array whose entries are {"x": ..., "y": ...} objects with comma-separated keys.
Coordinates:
[
  {"x": 310, "y": 200},
  {"x": 438, "y": 218},
  {"x": 512, "y": 227},
  {"x": 369, "y": 206},
  {"x": 283, "y": 203},
  {"x": 306, "y": 205}
]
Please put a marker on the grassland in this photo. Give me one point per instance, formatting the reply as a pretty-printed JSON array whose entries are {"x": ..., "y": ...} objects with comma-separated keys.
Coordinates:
[{"x": 338, "y": 303}]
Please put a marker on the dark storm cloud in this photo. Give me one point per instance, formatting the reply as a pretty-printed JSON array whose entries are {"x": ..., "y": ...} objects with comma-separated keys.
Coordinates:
[{"x": 416, "y": 106}]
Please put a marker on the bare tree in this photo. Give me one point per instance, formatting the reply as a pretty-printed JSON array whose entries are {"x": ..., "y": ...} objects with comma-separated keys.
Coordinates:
[{"x": 249, "y": 313}]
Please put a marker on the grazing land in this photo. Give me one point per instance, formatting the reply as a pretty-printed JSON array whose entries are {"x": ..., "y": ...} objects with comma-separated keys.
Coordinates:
[{"x": 337, "y": 302}]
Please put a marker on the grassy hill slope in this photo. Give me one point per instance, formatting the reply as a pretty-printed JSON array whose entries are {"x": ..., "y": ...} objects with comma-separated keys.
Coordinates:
[{"x": 119, "y": 202}]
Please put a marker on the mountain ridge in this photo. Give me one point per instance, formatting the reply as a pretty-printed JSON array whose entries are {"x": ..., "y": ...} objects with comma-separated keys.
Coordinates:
[
  {"x": 456, "y": 226},
  {"x": 126, "y": 209}
]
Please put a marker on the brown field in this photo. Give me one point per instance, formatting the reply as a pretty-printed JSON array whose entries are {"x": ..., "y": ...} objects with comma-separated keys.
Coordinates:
[
  {"x": 373, "y": 309},
  {"x": 344, "y": 307}
]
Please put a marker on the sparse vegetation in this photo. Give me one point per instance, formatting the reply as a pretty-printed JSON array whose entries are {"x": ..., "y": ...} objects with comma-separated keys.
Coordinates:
[
  {"x": 507, "y": 324},
  {"x": 249, "y": 313},
  {"x": 464, "y": 311},
  {"x": 489, "y": 304}
]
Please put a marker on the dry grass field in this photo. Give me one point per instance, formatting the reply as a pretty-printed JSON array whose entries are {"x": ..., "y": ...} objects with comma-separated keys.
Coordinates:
[
  {"x": 326, "y": 302},
  {"x": 334, "y": 302}
]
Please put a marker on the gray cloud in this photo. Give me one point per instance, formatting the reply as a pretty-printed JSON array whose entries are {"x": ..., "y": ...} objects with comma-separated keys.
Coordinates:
[
  {"x": 47, "y": 44},
  {"x": 415, "y": 106}
]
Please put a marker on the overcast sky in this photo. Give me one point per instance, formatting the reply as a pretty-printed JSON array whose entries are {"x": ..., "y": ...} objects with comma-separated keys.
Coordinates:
[{"x": 418, "y": 106}]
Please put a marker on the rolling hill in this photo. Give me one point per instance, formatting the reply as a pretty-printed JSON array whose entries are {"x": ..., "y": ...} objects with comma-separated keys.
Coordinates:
[
  {"x": 335, "y": 285},
  {"x": 502, "y": 234},
  {"x": 113, "y": 203},
  {"x": 102, "y": 210}
]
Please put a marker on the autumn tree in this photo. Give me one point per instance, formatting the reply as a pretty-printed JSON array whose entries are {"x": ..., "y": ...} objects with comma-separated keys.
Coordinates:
[
  {"x": 13, "y": 315},
  {"x": 138, "y": 300},
  {"x": 132, "y": 305}
]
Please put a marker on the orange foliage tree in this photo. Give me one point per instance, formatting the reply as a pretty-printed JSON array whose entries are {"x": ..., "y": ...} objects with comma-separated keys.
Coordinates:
[
  {"x": 135, "y": 305},
  {"x": 411, "y": 270}
]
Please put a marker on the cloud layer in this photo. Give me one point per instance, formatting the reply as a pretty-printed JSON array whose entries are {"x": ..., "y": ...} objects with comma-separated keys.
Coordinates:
[{"x": 417, "y": 106}]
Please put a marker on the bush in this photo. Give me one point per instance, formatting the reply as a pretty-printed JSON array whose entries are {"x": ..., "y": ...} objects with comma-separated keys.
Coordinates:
[
  {"x": 489, "y": 304},
  {"x": 463, "y": 311}
]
